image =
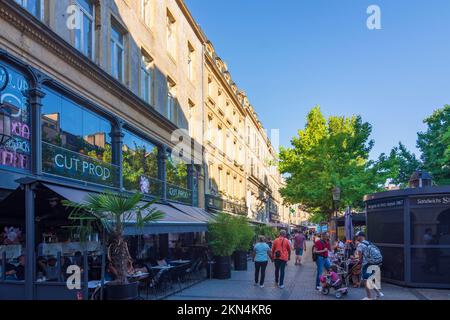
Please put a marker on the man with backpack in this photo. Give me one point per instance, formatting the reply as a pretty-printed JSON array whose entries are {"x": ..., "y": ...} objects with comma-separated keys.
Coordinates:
[{"x": 369, "y": 255}]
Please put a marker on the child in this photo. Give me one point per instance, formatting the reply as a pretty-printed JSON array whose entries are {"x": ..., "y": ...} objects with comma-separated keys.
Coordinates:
[{"x": 329, "y": 278}]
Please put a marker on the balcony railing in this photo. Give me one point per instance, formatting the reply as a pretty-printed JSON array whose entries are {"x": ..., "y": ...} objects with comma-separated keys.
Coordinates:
[
  {"x": 179, "y": 194},
  {"x": 219, "y": 204}
]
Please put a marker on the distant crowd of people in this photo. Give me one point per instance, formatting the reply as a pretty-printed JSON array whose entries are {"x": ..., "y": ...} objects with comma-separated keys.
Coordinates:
[{"x": 359, "y": 254}]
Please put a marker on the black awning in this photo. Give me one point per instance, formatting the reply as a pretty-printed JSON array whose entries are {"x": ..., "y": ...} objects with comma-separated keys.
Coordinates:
[{"x": 75, "y": 195}]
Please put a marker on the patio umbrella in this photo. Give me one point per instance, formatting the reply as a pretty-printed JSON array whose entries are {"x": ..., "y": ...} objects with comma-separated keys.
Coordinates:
[{"x": 348, "y": 224}]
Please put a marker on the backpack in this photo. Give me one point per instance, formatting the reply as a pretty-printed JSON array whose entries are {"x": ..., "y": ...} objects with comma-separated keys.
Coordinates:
[{"x": 374, "y": 254}]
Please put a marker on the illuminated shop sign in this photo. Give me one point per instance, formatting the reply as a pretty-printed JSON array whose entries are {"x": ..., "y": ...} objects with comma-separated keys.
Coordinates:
[
  {"x": 16, "y": 151},
  {"x": 69, "y": 164}
]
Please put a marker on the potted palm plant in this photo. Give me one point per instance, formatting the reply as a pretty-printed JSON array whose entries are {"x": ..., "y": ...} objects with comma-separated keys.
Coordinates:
[
  {"x": 245, "y": 237},
  {"x": 223, "y": 237},
  {"x": 114, "y": 212}
]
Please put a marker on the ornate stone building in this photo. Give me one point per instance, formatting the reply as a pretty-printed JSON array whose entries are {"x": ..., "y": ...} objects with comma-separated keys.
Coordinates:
[{"x": 144, "y": 69}]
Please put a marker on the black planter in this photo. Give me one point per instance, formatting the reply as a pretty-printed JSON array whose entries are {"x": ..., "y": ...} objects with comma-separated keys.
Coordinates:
[
  {"x": 240, "y": 261},
  {"x": 222, "y": 268},
  {"x": 128, "y": 291}
]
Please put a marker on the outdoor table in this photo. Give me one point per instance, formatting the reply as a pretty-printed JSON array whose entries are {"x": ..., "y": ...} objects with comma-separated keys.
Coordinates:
[
  {"x": 139, "y": 276},
  {"x": 178, "y": 262},
  {"x": 161, "y": 267},
  {"x": 96, "y": 283}
]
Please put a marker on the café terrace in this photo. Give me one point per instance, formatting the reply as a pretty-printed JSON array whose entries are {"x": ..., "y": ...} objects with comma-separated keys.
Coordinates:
[{"x": 56, "y": 145}]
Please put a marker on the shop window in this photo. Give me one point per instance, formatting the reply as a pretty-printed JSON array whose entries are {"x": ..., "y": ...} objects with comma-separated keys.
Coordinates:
[
  {"x": 176, "y": 171},
  {"x": 140, "y": 165},
  {"x": 76, "y": 141},
  {"x": 15, "y": 151}
]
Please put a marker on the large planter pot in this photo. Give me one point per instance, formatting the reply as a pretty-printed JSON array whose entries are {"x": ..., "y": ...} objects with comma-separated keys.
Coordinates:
[
  {"x": 240, "y": 261},
  {"x": 222, "y": 268},
  {"x": 129, "y": 291}
]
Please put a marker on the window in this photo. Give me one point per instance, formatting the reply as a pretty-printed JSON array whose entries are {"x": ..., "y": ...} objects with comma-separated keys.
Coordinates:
[
  {"x": 209, "y": 130},
  {"x": 219, "y": 140},
  {"x": 35, "y": 7},
  {"x": 171, "y": 36},
  {"x": 190, "y": 62},
  {"x": 146, "y": 79},
  {"x": 210, "y": 86},
  {"x": 16, "y": 151},
  {"x": 84, "y": 33},
  {"x": 171, "y": 100},
  {"x": 192, "y": 119},
  {"x": 145, "y": 12},
  {"x": 176, "y": 172},
  {"x": 140, "y": 164},
  {"x": 76, "y": 142},
  {"x": 219, "y": 179},
  {"x": 117, "y": 54}
]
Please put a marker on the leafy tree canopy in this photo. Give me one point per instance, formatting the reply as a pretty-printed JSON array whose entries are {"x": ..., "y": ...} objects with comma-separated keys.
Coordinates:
[
  {"x": 397, "y": 167},
  {"x": 435, "y": 145},
  {"x": 329, "y": 153}
]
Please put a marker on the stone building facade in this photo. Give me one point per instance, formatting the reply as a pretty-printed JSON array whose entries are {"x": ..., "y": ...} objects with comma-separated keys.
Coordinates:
[{"x": 156, "y": 79}]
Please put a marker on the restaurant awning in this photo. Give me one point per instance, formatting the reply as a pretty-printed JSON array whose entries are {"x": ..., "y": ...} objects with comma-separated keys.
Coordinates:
[
  {"x": 174, "y": 220},
  {"x": 194, "y": 212},
  {"x": 75, "y": 195}
]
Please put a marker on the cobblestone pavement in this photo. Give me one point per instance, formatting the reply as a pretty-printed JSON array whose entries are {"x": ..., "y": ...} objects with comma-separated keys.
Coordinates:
[{"x": 300, "y": 285}]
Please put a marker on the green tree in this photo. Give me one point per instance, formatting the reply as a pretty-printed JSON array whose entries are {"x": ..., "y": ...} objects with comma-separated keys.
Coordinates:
[
  {"x": 398, "y": 166},
  {"x": 435, "y": 145},
  {"x": 328, "y": 153}
]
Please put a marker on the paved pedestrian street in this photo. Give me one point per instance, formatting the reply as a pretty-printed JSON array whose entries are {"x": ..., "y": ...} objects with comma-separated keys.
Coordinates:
[{"x": 299, "y": 282}]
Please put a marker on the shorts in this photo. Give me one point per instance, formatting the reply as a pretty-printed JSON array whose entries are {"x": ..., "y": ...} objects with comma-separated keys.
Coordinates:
[
  {"x": 299, "y": 252},
  {"x": 364, "y": 274}
]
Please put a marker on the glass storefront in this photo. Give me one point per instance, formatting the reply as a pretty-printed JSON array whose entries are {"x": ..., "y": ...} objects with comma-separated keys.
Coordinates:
[
  {"x": 76, "y": 142},
  {"x": 140, "y": 165},
  {"x": 16, "y": 151}
]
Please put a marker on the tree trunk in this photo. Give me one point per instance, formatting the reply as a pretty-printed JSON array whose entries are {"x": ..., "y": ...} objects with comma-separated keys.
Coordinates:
[{"x": 119, "y": 256}]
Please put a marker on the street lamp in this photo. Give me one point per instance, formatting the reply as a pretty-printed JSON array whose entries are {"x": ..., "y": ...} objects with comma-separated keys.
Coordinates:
[
  {"x": 336, "y": 192},
  {"x": 5, "y": 125}
]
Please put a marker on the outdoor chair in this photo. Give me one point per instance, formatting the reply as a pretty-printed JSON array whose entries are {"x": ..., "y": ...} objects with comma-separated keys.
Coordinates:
[{"x": 190, "y": 271}]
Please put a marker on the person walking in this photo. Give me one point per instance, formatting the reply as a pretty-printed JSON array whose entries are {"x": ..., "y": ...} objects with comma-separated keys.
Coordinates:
[
  {"x": 369, "y": 255},
  {"x": 261, "y": 254},
  {"x": 320, "y": 251},
  {"x": 281, "y": 254},
  {"x": 299, "y": 247}
]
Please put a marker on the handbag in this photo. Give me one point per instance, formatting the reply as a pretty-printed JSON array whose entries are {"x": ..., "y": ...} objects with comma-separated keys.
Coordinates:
[{"x": 278, "y": 252}]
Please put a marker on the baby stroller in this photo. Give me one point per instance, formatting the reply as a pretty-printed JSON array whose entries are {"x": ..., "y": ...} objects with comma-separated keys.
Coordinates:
[
  {"x": 337, "y": 282},
  {"x": 337, "y": 285}
]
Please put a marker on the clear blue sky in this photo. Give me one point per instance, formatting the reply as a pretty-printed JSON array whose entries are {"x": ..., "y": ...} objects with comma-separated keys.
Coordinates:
[{"x": 289, "y": 55}]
